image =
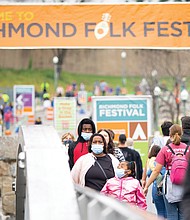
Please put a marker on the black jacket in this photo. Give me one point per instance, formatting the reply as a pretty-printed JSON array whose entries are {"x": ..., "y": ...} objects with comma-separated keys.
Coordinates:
[
  {"x": 185, "y": 138},
  {"x": 133, "y": 155},
  {"x": 186, "y": 195},
  {"x": 79, "y": 147},
  {"x": 76, "y": 150}
]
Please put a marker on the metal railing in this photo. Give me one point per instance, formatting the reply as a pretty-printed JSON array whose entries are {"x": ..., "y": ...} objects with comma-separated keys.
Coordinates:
[
  {"x": 44, "y": 188},
  {"x": 94, "y": 206}
]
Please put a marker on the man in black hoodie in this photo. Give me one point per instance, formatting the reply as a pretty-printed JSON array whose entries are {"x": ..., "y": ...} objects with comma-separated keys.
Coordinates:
[
  {"x": 80, "y": 147},
  {"x": 185, "y": 138},
  {"x": 131, "y": 155}
]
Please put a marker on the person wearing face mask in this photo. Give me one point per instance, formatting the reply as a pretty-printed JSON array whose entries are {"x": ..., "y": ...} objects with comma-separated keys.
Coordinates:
[
  {"x": 111, "y": 148},
  {"x": 124, "y": 187},
  {"x": 95, "y": 168},
  {"x": 67, "y": 139},
  {"x": 79, "y": 147}
]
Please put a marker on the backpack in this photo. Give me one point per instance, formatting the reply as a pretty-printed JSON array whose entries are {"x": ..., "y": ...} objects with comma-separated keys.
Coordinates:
[
  {"x": 7, "y": 116},
  {"x": 179, "y": 166}
]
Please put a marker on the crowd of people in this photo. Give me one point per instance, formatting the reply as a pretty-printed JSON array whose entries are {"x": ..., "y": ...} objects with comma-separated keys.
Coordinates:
[
  {"x": 100, "y": 88},
  {"x": 6, "y": 116},
  {"x": 117, "y": 171},
  {"x": 94, "y": 160}
]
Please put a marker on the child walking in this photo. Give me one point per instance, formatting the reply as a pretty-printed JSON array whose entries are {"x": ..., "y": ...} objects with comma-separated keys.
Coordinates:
[{"x": 125, "y": 187}]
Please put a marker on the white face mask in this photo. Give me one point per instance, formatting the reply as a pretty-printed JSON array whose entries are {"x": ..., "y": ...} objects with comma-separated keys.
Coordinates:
[
  {"x": 97, "y": 148},
  {"x": 120, "y": 173},
  {"x": 86, "y": 136}
]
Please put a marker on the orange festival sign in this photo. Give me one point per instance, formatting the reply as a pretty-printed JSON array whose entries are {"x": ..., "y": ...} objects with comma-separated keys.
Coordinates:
[{"x": 157, "y": 26}]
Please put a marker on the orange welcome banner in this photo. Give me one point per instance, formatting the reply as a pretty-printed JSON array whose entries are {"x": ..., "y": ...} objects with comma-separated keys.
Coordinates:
[{"x": 95, "y": 26}]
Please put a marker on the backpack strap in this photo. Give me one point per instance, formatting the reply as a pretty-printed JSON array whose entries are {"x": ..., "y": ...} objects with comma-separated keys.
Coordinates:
[
  {"x": 101, "y": 168},
  {"x": 169, "y": 168},
  {"x": 168, "y": 145},
  {"x": 186, "y": 149}
]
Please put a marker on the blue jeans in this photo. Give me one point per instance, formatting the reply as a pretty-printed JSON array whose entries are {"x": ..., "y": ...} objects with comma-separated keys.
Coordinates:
[
  {"x": 7, "y": 125},
  {"x": 159, "y": 202},
  {"x": 174, "y": 210}
]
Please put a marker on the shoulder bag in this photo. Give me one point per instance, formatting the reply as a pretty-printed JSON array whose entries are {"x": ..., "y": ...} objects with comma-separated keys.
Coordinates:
[{"x": 101, "y": 169}]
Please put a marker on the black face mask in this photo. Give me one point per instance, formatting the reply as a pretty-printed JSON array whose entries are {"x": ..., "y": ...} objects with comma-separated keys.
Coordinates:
[{"x": 67, "y": 142}]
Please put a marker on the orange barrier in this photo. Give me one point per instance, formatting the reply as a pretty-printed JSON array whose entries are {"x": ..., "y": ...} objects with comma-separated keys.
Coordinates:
[
  {"x": 7, "y": 132},
  {"x": 31, "y": 120},
  {"x": 49, "y": 113}
]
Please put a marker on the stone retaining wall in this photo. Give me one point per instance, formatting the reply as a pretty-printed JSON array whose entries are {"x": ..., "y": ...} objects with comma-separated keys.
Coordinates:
[
  {"x": 138, "y": 62},
  {"x": 8, "y": 153}
]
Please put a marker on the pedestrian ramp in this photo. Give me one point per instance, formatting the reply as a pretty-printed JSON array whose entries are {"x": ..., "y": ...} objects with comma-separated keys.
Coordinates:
[{"x": 44, "y": 188}]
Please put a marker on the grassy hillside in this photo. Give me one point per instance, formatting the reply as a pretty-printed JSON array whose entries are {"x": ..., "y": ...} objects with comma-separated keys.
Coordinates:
[{"x": 10, "y": 78}]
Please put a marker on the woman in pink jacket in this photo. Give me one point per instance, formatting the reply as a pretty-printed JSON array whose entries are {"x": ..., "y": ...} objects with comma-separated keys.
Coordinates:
[{"x": 125, "y": 187}]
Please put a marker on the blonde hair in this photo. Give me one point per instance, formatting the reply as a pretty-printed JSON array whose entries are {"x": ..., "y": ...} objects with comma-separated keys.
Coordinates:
[
  {"x": 175, "y": 133},
  {"x": 67, "y": 134}
]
